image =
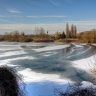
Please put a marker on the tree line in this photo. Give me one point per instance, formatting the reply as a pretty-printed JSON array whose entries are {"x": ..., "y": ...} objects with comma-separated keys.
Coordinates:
[
  {"x": 40, "y": 35},
  {"x": 15, "y": 36}
]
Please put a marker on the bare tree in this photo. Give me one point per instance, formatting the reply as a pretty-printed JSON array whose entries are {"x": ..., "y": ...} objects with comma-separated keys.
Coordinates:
[{"x": 37, "y": 30}]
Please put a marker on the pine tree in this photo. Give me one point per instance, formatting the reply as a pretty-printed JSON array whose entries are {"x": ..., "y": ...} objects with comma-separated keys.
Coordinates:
[
  {"x": 63, "y": 35},
  {"x": 47, "y": 32}
]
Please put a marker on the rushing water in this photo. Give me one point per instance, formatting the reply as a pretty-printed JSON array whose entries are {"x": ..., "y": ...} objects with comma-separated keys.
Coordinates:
[{"x": 44, "y": 63}]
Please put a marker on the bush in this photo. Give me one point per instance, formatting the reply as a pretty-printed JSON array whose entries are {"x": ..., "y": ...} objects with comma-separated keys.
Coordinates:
[{"x": 77, "y": 91}]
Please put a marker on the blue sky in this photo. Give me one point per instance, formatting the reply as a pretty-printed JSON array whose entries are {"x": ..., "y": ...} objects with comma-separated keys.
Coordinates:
[{"x": 52, "y": 15}]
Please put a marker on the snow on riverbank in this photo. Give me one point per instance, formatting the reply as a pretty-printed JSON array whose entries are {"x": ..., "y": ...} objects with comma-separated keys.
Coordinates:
[{"x": 85, "y": 64}]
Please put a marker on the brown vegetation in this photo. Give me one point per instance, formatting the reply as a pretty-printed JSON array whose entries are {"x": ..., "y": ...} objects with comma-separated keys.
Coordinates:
[
  {"x": 21, "y": 37},
  {"x": 15, "y": 37},
  {"x": 87, "y": 36},
  {"x": 41, "y": 36},
  {"x": 71, "y": 33}
]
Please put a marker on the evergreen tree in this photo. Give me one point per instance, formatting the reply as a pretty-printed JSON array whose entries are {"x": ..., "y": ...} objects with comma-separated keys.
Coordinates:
[
  {"x": 63, "y": 35},
  {"x": 47, "y": 32}
]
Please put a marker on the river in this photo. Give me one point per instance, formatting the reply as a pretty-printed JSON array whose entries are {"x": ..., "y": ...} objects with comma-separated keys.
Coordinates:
[{"x": 46, "y": 66}]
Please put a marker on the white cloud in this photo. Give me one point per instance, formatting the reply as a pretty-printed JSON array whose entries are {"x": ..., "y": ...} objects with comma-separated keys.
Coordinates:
[
  {"x": 54, "y": 16},
  {"x": 32, "y": 16},
  {"x": 52, "y": 28},
  {"x": 58, "y": 16},
  {"x": 4, "y": 20},
  {"x": 9, "y": 16},
  {"x": 13, "y": 10}
]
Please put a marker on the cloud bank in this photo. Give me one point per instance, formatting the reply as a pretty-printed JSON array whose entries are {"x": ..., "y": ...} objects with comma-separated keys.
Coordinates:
[
  {"x": 4, "y": 20},
  {"x": 52, "y": 28}
]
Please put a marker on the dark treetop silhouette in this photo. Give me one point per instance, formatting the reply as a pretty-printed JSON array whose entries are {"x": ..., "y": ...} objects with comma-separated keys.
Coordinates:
[{"x": 9, "y": 82}]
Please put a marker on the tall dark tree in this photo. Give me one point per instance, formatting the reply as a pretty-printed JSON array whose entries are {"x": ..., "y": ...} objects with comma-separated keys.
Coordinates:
[
  {"x": 63, "y": 35},
  {"x": 72, "y": 31},
  {"x": 75, "y": 31},
  {"x": 47, "y": 32},
  {"x": 22, "y": 33},
  {"x": 67, "y": 30}
]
